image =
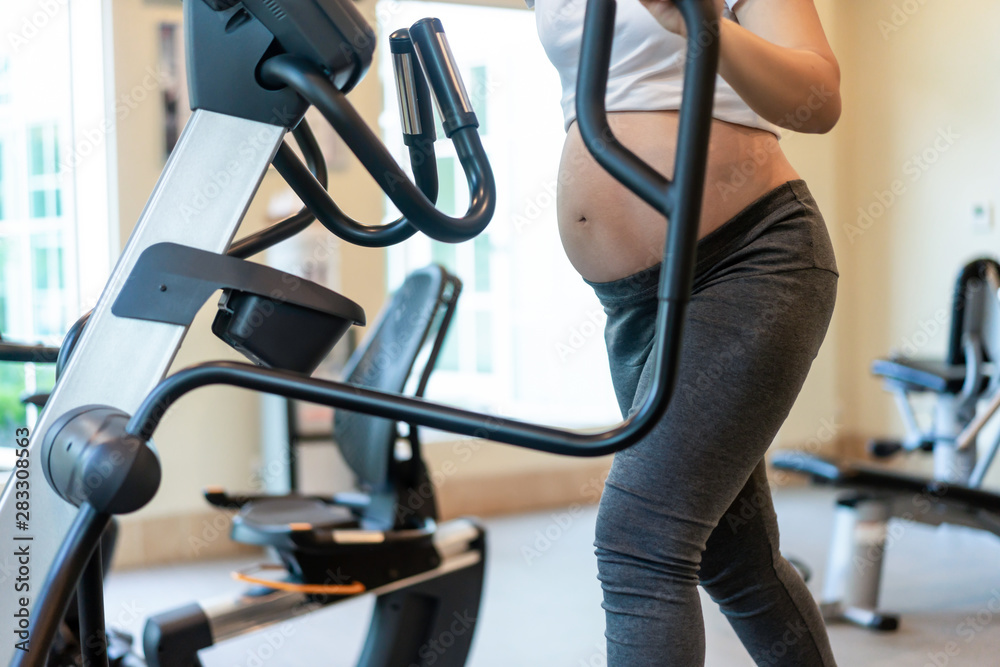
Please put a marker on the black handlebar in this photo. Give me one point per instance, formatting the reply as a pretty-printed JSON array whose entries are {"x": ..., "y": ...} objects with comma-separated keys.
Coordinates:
[
  {"x": 680, "y": 200},
  {"x": 252, "y": 244},
  {"x": 418, "y": 136},
  {"x": 311, "y": 83},
  {"x": 439, "y": 64},
  {"x": 416, "y": 113},
  {"x": 26, "y": 354}
]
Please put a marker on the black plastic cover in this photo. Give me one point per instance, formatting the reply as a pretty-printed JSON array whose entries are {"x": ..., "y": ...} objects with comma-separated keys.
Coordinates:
[
  {"x": 224, "y": 49},
  {"x": 88, "y": 456},
  {"x": 407, "y": 622},
  {"x": 171, "y": 282},
  {"x": 330, "y": 33},
  {"x": 173, "y": 638},
  {"x": 227, "y": 42},
  {"x": 277, "y": 334},
  {"x": 275, "y": 318}
]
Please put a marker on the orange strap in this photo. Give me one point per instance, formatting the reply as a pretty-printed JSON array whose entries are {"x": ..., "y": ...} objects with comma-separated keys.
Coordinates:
[{"x": 312, "y": 589}]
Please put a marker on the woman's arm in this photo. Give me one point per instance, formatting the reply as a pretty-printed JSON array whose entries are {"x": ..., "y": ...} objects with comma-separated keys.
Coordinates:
[{"x": 777, "y": 58}]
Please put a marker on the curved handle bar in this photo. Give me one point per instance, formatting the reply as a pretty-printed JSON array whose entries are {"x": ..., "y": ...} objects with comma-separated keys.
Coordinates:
[
  {"x": 318, "y": 200},
  {"x": 310, "y": 82},
  {"x": 415, "y": 111},
  {"x": 56, "y": 593},
  {"x": 252, "y": 244},
  {"x": 679, "y": 200},
  {"x": 418, "y": 135}
]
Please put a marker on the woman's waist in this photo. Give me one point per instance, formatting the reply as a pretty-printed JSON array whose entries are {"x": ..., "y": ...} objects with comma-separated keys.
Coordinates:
[
  {"x": 781, "y": 232},
  {"x": 743, "y": 164},
  {"x": 608, "y": 232}
]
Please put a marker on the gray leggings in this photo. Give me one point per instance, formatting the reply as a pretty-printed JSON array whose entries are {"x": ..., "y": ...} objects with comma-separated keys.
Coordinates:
[{"x": 690, "y": 503}]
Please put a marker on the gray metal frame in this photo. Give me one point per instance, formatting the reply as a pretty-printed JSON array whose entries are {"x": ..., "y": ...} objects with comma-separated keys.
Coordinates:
[{"x": 199, "y": 201}]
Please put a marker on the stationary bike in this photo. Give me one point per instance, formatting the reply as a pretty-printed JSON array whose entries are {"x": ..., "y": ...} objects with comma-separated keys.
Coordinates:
[
  {"x": 965, "y": 379},
  {"x": 254, "y": 68}
]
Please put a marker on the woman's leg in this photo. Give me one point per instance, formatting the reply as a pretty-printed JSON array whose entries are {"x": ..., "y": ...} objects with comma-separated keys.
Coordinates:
[
  {"x": 750, "y": 338},
  {"x": 746, "y": 575}
]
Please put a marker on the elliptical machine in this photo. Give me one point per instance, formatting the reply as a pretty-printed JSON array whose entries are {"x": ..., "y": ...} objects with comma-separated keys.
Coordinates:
[
  {"x": 967, "y": 377},
  {"x": 254, "y": 68}
]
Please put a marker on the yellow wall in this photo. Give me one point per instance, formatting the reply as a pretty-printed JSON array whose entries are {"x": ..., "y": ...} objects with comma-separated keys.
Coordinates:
[
  {"x": 916, "y": 78},
  {"x": 817, "y": 418},
  {"x": 911, "y": 78}
]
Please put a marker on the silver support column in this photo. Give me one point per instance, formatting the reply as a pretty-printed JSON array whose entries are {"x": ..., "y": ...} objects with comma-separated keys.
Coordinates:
[
  {"x": 199, "y": 201},
  {"x": 854, "y": 569},
  {"x": 951, "y": 415}
]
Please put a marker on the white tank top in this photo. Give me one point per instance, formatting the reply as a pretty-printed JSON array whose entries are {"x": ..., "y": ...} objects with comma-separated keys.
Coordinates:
[{"x": 647, "y": 62}]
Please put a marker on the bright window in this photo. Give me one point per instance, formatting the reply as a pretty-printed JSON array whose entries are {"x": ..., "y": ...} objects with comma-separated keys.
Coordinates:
[
  {"x": 44, "y": 191},
  {"x": 55, "y": 211},
  {"x": 527, "y": 338},
  {"x": 4, "y": 79}
]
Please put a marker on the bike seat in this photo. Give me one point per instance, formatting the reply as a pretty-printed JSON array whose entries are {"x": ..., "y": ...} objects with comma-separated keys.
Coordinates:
[
  {"x": 320, "y": 542},
  {"x": 271, "y": 522},
  {"x": 933, "y": 375}
]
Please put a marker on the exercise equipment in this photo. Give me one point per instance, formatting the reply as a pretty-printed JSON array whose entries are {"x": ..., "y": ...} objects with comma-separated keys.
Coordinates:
[
  {"x": 25, "y": 354},
  {"x": 66, "y": 646},
  {"x": 254, "y": 68},
  {"x": 967, "y": 377},
  {"x": 383, "y": 539}
]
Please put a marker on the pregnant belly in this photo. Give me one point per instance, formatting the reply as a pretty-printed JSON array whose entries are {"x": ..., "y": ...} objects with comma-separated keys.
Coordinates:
[{"x": 609, "y": 233}]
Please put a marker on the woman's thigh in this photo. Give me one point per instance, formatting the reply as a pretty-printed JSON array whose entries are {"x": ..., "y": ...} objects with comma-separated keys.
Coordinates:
[{"x": 748, "y": 345}]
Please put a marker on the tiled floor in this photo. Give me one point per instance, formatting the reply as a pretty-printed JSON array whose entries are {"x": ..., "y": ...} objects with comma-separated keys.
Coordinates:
[{"x": 542, "y": 604}]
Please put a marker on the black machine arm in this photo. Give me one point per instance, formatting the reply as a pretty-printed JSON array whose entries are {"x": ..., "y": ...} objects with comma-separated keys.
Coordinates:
[
  {"x": 335, "y": 38},
  {"x": 418, "y": 211},
  {"x": 461, "y": 126},
  {"x": 21, "y": 353},
  {"x": 74, "y": 554},
  {"x": 418, "y": 135},
  {"x": 258, "y": 242},
  {"x": 680, "y": 200}
]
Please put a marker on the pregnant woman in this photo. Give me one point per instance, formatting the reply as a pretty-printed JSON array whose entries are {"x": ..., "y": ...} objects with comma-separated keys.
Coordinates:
[{"x": 690, "y": 504}]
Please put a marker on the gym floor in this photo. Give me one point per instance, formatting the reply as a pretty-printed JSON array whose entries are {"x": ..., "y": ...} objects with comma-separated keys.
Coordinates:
[{"x": 542, "y": 600}]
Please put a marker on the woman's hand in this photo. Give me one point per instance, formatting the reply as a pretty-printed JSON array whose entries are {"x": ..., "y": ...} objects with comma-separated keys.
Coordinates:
[{"x": 667, "y": 14}]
